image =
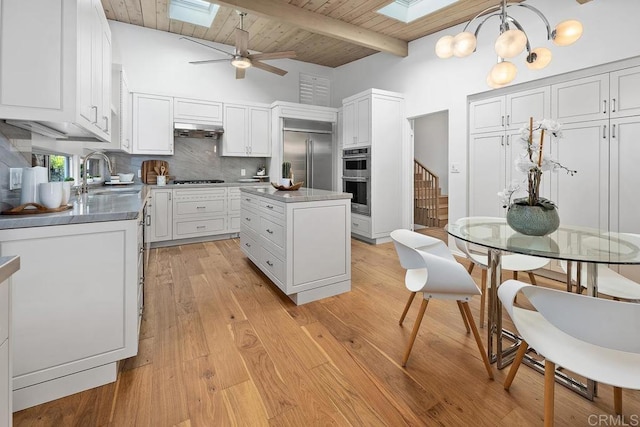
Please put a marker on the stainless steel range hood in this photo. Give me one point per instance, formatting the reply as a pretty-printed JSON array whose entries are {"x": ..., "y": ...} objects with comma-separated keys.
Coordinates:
[{"x": 193, "y": 130}]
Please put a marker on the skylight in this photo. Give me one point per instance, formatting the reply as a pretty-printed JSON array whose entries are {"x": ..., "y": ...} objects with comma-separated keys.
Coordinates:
[
  {"x": 410, "y": 10},
  {"x": 197, "y": 12}
]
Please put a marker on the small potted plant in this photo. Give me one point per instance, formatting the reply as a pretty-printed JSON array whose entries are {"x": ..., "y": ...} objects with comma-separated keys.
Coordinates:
[{"x": 287, "y": 175}]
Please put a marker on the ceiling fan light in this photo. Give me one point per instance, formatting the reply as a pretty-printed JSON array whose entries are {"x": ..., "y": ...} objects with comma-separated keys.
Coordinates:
[
  {"x": 567, "y": 32},
  {"x": 241, "y": 62},
  {"x": 503, "y": 73},
  {"x": 510, "y": 43},
  {"x": 444, "y": 47},
  {"x": 539, "y": 58},
  {"x": 464, "y": 44}
]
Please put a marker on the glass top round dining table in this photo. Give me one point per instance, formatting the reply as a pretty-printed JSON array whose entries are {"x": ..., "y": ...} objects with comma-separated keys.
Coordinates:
[{"x": 569, "y": 243}]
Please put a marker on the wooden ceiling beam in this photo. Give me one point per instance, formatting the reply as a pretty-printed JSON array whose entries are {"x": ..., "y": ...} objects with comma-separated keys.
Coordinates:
[{"x": 319, "y": 24}]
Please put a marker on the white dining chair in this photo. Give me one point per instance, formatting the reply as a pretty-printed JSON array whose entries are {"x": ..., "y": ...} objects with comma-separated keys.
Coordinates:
[
  {"x": 516, "y": 263},
  {"x": 432, "y": 270},
  {"x": 603, "y": 346}
]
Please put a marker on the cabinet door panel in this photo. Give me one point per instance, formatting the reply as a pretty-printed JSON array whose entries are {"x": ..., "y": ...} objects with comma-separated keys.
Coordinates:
[
  {"x": 625, "y": 174},
  {"x": 259, "y": 132},
  {"x": 235, "y": 138},
  {"x": 152, "y": 124},
  {"x": 487, "y": 115},
  {"x": 583, "y": 198},
  {"x": 625, "y": 92},
  {"x": 521, "y": 106},
  {"x": 193, "y": 109},
  {"x": 486, "y": 174},
  {"x": 581, "y": 99},
  {"x": 161, "y": 211},
  {"x": 363, "y": 124},
  {"x": 5, "y": 385},
  {"x": 349, "y": 123}
]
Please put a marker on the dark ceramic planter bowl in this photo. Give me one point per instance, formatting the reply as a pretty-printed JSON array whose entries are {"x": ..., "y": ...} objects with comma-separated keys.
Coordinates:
[{"x": 533, "y": 220}]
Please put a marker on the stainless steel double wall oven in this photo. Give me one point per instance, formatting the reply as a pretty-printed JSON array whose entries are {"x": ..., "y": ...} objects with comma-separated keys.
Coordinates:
[{"x": 356, "y": 178}]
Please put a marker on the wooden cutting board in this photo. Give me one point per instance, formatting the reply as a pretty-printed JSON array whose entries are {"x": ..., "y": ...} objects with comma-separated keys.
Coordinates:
[{"x": 149, "y": 175}]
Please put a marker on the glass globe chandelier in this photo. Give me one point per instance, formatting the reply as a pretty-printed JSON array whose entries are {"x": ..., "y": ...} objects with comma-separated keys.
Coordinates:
[{"x": 511, "y": 42}]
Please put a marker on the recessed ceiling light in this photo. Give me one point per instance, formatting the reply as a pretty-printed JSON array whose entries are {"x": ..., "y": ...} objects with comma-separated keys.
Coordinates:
[
  {"x": 197, "y": 12},
  {"x": 410, "y": 10}
]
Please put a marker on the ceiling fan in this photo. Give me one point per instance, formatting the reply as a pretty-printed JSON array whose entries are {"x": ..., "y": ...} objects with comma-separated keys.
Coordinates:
[{"x": 241, "y": 59}]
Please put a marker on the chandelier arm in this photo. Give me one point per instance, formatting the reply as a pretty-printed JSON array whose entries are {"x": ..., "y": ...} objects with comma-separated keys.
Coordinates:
[
  {"x": 540, "y": 15},
  {"x": 485, "y": 20},
  {"x": 489, "y": 9},
  {"x": 518, "y": 26}
]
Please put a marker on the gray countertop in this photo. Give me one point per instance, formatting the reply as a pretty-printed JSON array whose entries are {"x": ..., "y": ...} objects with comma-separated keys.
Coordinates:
[
  {"x": 222, "y": 184},
  {"x": 92, "y": 207},
  {"x": 8, "y": 266},
  {"x": 301, "y": 195}
]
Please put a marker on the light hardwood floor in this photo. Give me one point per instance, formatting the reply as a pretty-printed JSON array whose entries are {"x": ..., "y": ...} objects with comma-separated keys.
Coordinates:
[{"x": 221, "y": 346}]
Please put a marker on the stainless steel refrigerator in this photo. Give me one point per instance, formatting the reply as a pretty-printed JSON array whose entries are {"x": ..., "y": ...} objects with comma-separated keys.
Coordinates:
[{"x": 308, "y": 146}]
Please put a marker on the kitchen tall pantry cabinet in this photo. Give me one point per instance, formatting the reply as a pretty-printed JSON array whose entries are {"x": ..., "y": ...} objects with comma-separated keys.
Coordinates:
[
  {"x": 375, "y": 118},
  {"x": 55, "y": 65}
]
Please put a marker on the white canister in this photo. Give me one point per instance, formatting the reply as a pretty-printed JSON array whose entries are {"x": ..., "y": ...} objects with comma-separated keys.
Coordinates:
[
  {"x": 50, "y": 194},
  {"x": 31, "y": 177},
  {"x": 66, "y": 192},
  {"x": 162, "y": 180}
]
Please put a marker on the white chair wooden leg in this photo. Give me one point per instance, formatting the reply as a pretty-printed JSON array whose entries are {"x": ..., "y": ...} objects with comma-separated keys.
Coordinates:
[
  {"x": 414, "y": 333},
  {"x": 470, "y": 268},
  {"x": 476, "y": 335},
  {"x": 549, "y": 383},
  {"x": 532, "y": 277},
  {"x": 406, "y": 308},
  {"x": 522, "y": 350},
  {"x": 464, "y": 317},
  {"x": 617, "y": 400}
]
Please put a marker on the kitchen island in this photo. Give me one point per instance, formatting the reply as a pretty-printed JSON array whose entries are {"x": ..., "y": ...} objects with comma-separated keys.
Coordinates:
[
  {"x": 77, "y": 300},
  {"x": 300, "y": 239}
]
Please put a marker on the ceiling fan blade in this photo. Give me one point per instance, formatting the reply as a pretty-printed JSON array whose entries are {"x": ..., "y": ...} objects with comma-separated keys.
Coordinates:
[
  {"x": 240, "y": 73},
  {"x": 206, "y": 45},
  {"x": 242, "y": 42},
  {"x": 273, "y": 55},
  {"x": 269, "y": 68},
  {"x": 208, "y": 61}
]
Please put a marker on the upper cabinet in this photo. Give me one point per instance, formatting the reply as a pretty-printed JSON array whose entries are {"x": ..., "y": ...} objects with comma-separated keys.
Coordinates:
[
  {"x": 603, "y": 96},
  {"x": 152, "y": 124},
  {"x": 197, "y": 111},
  {"x": 59, "y": 73},
  {"x": 356, "y": 130},
  {"x": 247, "y": 131},
  {"x": 509, "y": 112}
]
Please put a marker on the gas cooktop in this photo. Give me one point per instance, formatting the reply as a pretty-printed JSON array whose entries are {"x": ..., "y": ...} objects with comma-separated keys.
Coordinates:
[{"x": 197, "y": 181}]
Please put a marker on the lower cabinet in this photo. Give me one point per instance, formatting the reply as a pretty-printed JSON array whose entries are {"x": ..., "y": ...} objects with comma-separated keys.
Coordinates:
[
  {"x": 8, "y": 266},
  {"x": 303, "y": 247},
  {"x": 75, "y": 306},
  {"x": 183, "y": 213}
]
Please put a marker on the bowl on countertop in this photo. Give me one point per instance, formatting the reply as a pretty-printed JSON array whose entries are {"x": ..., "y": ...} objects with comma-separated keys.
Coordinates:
[{"x": 125, "y": 177}]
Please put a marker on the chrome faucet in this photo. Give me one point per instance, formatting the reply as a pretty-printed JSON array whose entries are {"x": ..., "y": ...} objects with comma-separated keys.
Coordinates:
[{"x": 83, "y": 168}]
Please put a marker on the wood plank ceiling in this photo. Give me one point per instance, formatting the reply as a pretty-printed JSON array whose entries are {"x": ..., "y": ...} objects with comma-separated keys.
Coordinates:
[{"x": 271, "y": 34}]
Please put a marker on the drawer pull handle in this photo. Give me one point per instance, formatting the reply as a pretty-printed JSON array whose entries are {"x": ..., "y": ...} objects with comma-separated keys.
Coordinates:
[
  {"x": 269, "y": 231},
  {"x": 269, "y": 207},
  {"x": 200, "y": 227},
  {"x": 247, "y": 245},
  {"x": 201, "y": 207},
  {"x": 248, "y": 219},
  {"x": 355, "y": 224},
  {"x": 269, "y": 263},
  {"x": 141, "y": 250}
]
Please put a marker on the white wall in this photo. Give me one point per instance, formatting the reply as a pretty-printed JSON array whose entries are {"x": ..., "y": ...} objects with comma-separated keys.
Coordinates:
[
  {"x": 431, "y": 84},
  {"x": 158, "y": 62},
  {"x": 431, "y": 145}
]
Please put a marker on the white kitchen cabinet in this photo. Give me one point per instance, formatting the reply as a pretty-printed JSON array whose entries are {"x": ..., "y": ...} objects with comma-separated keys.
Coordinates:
[
  {"x": 197, "y": 111},
  {"x": 75, "y": 306},
  {"x": 509, "y": 112},
  {"x": 199, "y": 212},
  {"x": 382, "y": 114},
  {"x": 303, "y": 247},
  {"x": 121, "y": 132},
  {"x": 357, "y": 120},
  {"x": 59, "y": 74},
  {"x": 247, "y": 131},
  {"x": 581, "y": 100},
  {"x": 233, "y": 209},
  {"x": 160, "y": 211},
  {"x": 152, "y": 124},
  {"x": 8, "y": 266}
]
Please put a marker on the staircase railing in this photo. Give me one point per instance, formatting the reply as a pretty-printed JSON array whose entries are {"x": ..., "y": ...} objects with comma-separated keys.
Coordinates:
[{"x": 426, "y": 202}]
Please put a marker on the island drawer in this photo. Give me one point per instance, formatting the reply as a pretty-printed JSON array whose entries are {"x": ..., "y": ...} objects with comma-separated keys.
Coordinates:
[
  {"x": 249, "y": 245},
  {"x": 272, "y": 208},
  {"x": 249, "y": 200},
  {"x": 273, "y": 265},
  {"x": 272, "y": 231},
  {"x": 250, "y": 219},
  {"x": 199, "y": 227}
]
